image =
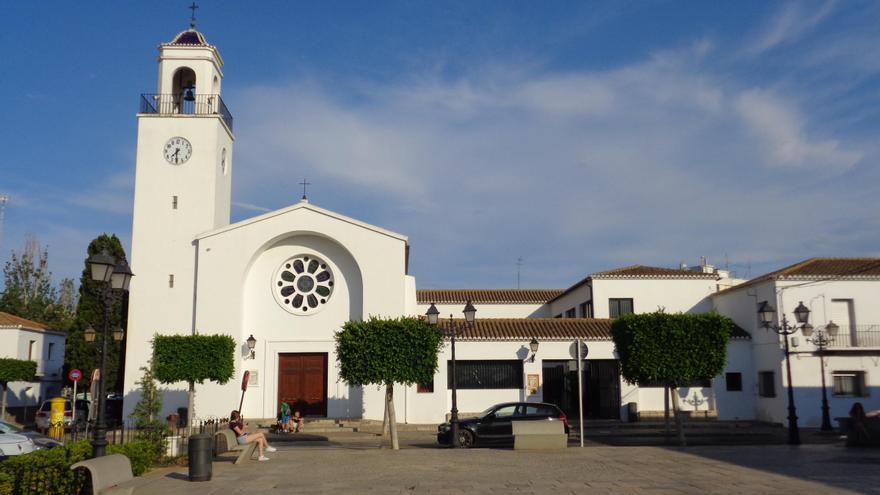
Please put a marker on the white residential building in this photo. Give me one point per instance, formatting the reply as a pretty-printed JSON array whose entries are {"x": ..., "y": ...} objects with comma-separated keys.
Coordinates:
[{"x": 29, "y": 340}]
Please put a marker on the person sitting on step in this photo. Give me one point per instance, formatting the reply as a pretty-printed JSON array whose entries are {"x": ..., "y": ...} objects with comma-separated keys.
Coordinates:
[
  {"x": 298, "y": 422},
  {"x": 237, "y": 426}
]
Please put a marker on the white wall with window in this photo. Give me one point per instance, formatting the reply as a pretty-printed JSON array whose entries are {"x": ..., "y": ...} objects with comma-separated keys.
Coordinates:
[{"x": 29, "y": 340}]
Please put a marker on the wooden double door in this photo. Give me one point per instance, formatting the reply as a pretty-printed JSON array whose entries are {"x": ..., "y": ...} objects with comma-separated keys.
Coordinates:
[{"x": 302, "y": 382}]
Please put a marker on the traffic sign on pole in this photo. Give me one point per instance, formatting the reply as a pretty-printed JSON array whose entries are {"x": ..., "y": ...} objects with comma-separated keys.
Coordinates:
[{"x": 75, "y": 375}]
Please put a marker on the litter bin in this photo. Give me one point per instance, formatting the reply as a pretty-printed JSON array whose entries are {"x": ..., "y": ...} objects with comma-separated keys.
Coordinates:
[
  {"x": 201, "y": 448},
  {"x": 632, "y": 412}
]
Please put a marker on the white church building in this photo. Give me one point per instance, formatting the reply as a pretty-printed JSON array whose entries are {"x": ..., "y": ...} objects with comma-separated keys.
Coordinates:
[{"x": 291, "y": 278}]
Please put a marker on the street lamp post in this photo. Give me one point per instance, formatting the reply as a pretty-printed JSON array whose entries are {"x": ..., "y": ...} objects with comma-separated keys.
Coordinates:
[
  {"x": 822, "y": 339},
  {"x": 112, "y": 277},
  {"x": 433, "y": 318},
  {"x": 767, "y": 314}
]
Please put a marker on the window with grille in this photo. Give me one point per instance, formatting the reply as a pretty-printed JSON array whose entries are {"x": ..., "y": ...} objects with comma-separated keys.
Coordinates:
[
  {"x": 620, "y": 307},
  {"x": 586, "y": 310},
  {"x": 766, "y": 384},
  {"x": 498, "y": 374},
  {"x": 849, "y": 383}
]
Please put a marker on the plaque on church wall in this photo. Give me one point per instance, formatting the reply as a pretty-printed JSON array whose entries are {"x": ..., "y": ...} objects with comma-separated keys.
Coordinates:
[
  {"x": 303, "y": 284},
  {"x": 254, "y": 379},
  {"x": 532, "y": 384}
]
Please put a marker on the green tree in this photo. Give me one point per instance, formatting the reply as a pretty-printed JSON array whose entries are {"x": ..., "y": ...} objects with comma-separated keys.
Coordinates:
[
  {"x": 385, "y": 352},
  {"x": 146, "y": 411},
  {"x": 14, "y": 370},
  {"x": 193, "y": 359},
  {"x": 28, "y": 290},
  {"x": 673, "y": 349},
  {"x": 90, "y": 312}
]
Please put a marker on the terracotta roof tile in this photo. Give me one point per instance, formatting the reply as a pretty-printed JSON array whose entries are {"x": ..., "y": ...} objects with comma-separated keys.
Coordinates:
[
  {"x": 642, "y": 271},
  {"x": 500, "y": 329},
  {"x": 486, "y": 296},
  {"x": 820, "y": 268},
  {"x": 8, "y": 320},
  {"x": 539, "y": 328}
]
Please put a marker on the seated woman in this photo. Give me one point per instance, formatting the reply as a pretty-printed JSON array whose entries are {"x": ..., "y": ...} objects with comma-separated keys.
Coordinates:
[{"x": 237, "y": 426}]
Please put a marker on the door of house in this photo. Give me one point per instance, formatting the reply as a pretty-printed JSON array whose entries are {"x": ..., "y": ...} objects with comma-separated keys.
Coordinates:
[
  {"x": 601, "y": 387},
  {"x": 302, "y": 382}
]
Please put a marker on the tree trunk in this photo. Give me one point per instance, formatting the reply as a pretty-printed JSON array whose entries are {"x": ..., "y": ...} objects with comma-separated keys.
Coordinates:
[
  {"x": 666, "y": 412},
  {"x": 3, "y": 407},
  {"x": 190, "y": 406},
  {"x": 385, "y": 430},
  {"x": 392, "y": 420},
  {"x": 679, "y": 423}
]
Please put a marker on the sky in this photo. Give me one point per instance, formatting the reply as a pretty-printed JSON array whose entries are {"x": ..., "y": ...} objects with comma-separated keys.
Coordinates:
[{"x": 579, "y": 136}]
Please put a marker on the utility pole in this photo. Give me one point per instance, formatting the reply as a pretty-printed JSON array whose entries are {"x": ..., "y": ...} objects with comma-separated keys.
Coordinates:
[
  {"x": 3, "y": 200},
  {"x": 519, "y": 262}
]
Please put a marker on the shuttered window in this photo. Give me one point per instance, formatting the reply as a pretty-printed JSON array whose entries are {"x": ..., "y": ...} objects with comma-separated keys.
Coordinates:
[{"x": 499, "y": 374}]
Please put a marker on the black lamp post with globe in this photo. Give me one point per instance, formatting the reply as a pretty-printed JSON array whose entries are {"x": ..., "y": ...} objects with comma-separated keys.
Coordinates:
[
  {"x": 452, "y": 329},
  {"x": 113, "y": 277},
  {"x": 822, "y": 339},
  {"x": 767, "y": 313}
]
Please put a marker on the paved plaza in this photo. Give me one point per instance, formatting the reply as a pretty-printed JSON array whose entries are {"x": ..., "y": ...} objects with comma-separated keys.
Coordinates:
[{"x": 354, "y": 463}]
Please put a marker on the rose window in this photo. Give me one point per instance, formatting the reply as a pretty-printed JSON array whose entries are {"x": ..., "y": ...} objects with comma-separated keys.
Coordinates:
[{"x": 303, "y": 284}]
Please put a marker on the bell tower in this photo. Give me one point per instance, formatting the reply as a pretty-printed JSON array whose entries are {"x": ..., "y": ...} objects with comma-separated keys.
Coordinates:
[{"x": 182, "y": 188}]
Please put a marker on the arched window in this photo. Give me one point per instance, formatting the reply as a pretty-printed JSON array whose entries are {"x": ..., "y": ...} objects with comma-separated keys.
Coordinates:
[{"x": 183, "y": 90}]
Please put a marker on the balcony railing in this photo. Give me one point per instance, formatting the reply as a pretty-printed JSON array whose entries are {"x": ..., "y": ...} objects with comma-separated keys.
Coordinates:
[
  {"x": 170, "y": 104},
  {"x": 856, "y": 336}
]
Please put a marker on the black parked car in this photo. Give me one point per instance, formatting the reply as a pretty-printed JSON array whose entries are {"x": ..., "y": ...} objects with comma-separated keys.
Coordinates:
[{"x": 493, "y": 426}]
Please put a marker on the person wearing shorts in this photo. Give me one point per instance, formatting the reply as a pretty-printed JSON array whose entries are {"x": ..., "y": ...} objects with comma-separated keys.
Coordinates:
[{"x": 243, "y": 438}]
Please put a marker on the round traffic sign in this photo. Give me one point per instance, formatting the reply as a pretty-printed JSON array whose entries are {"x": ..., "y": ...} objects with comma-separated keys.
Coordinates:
[{"x": 75, "y": 375}]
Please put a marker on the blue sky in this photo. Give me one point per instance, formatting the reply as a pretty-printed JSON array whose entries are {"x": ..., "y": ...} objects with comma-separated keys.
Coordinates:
[{"x": 581, "y": 136}]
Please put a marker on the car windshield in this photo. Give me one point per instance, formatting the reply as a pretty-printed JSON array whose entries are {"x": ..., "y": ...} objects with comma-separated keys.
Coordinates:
[{"x": 8, "y": 428}]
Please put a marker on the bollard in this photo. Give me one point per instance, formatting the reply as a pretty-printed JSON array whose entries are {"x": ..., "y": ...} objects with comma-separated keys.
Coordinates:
[{"x": 56, "y": 417}]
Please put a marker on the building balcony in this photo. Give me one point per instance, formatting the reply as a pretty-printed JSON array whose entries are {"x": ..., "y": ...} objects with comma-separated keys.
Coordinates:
[
  {"x": 856, "y": 337},
  {"x": 186, "y": 104}
]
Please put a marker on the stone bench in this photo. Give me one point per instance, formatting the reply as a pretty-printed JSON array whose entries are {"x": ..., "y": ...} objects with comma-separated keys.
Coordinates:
[
  {"x": 110, "y": 474},
  {"x": 539, "y": 435},
  {"x": 227, "y": 437}
]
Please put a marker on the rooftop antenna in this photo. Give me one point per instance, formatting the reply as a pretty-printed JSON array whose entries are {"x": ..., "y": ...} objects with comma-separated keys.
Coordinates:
[
  {"x": 519, "y": 262},
  {"x": 3, "y": 200},
  {"x": 192, "y": 20},
  {"x": 305, "y": 183}
]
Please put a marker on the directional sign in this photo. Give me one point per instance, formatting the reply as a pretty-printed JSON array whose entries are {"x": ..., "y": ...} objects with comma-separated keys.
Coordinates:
[{"x": 75, "y": 375}]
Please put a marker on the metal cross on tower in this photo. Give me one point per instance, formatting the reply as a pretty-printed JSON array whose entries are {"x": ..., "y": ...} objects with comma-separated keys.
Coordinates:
[
  {"x": 192, "y": 21},
  {"x": 519, "y": 262},
  {"x": 305, "y": 183}
]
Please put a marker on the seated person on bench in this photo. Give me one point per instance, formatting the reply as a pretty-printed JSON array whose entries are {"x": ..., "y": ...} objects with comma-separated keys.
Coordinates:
[{"x": 237, "y": 426}]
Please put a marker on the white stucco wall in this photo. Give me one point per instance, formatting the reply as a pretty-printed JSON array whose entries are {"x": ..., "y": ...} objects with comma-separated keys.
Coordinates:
[
  {"x": 15, "y": 344},
  {"x": 573, "y": 299},
  {"x": 674, "y": 295}
]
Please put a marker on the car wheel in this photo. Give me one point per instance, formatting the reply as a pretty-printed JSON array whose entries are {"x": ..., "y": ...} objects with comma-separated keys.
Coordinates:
[{"x": 465, "y": 439}]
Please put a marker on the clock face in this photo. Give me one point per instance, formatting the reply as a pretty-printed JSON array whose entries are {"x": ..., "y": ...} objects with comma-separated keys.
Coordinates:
[{"x": 177, "y": 150}]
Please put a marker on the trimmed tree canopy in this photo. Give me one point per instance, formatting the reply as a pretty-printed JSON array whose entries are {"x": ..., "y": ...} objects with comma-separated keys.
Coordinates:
[
  {"x": 379, "y": 352},
  {"x": 674, "y": 349},
  {"x": 17, "y": 370},
  {"x": 193, "y": 358}
]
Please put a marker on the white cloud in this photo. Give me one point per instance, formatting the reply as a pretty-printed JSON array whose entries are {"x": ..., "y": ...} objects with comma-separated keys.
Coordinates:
[
  {"x": 791, "y": 23},
  {"x": 644, "y": 163},
  {"x": 780, "y": 127}
]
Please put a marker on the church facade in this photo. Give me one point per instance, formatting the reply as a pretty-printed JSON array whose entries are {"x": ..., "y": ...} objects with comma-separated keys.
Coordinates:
[{"x": 289, "y": 279}]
